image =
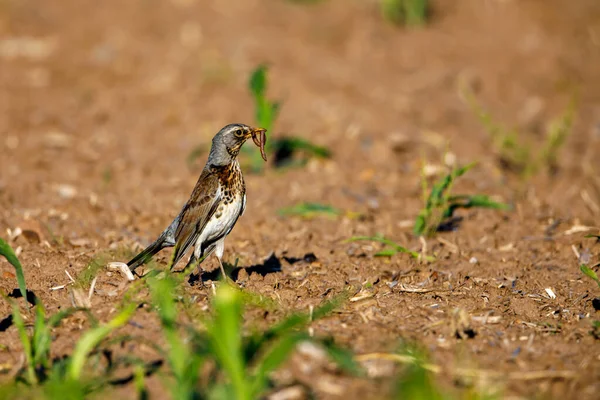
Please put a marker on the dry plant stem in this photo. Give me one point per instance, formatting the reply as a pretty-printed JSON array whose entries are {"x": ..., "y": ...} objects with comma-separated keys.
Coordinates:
[
  {"x": 470, "y": 372},
  {"x": 403, "y": 288}
]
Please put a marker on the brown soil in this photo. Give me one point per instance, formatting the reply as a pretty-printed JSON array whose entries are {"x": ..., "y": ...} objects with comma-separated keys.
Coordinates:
[{"x": 102, "y": 102}]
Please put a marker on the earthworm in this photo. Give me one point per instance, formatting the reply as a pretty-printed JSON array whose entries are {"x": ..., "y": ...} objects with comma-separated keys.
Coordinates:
[{"x": 260, "y": 141}]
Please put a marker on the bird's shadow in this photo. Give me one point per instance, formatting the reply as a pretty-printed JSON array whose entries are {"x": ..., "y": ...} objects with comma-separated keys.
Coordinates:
[
  {"x": 269, "y": 266},
  {"x": 7, "y": 321}
]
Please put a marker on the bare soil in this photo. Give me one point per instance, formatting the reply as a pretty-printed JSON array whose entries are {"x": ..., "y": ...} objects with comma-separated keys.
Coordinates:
[{"x": 102, "y": 102}]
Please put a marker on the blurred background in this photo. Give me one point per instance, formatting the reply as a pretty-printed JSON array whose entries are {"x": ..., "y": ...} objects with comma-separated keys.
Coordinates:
[{"x": 107, "y": 110}]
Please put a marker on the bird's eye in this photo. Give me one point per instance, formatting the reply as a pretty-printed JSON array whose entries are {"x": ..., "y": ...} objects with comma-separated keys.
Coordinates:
[{"x": 238, "y": 133}]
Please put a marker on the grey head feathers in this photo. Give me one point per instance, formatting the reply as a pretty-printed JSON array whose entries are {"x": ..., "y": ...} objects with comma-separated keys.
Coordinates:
[{"x": 227, "y": 143}]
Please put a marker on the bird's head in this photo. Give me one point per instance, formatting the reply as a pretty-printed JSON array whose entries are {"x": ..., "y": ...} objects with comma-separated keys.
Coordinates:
[{"x": 227, "y": 143}]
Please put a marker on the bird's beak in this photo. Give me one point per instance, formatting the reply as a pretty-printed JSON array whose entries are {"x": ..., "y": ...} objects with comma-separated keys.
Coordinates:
[{"x": 259, "y": 138}]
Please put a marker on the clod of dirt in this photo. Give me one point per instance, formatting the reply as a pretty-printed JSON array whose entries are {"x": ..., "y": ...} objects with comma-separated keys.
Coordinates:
[
  {"x": 26, "y": 47},
  {"x": 57, "y": 140},
  {"x": 31, "y": 230},
  {"x": 66, "y": 191},
  {"x": 296, "y": 392},
  {"x": 400, "y": 142},
  {"x": 81, "y": 242}
]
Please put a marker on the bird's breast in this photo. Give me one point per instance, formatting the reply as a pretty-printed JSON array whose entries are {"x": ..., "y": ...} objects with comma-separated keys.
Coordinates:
[{"x": 222, "y": 221}]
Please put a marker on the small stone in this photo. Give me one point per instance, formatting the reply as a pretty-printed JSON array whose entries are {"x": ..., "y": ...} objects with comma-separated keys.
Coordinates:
[
  {"x": 473, "y": 260},
  {"x": 399, "y": 142},
  {"x": 27, "y": 47},
  {"x": 66, "y": 191},
  {"x": 81, "y": 242},
  {"x": 290, "y": 393},
  {"x": 32, "y": 231},
  {"x": 57, "y": 140}
]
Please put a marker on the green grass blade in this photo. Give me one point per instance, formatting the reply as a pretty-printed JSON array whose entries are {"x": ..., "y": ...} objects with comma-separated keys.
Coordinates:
[
  {"x": 225, "y": 333},
  {"x": 342, "y": 357},
  {"x": 41, "y": 338},
  {"x": 559, "y": 130},
  {"x": 416, "y": 12},
  {"x": 293, "y": 144},
  {"x": 415, "y": 381},
  {"x": 420, "y": 227},
  {"x": 478, "y": 200},
  {"x": 379, "y": 239},
  {"x": 437, "y": 196},
  {"x": 9, "y": 254},
  {"x": 258, "y": 81},
  {"x": 162, "y": 299},
  {"x": 93, "y": 337},
  {"x": 276, "y": 355},
  {"x": 386, "y": 252},
  {"x": 139, "y": 382},
  {"x": 26, "y": 342},
  {"x": 299, "y": 320},
  {"x": 587, "y": 271},
  {"x": 184, "y": 361},
  {"x": 310, "y": 210}
]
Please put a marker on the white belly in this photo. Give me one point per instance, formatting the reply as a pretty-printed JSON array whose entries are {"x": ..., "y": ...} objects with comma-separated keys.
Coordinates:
[{"x": 219, "y": 227}]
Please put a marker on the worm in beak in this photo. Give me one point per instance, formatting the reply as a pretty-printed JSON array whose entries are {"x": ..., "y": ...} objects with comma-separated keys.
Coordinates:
[{"x": 260, "y": 138}]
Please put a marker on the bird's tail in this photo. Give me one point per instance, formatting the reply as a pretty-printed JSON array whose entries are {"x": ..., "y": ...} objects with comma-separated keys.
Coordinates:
[{"x": 145, "y": 255}]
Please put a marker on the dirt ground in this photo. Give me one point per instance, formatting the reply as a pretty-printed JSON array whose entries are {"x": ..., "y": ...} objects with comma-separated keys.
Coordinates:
[{"x": 102, "y": 102}]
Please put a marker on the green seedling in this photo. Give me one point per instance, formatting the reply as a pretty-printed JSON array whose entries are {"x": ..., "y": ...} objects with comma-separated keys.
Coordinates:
[
  {"x": 590, "y": 273},
  {"x": 514, "y": 152},
  {"x": 183, "y": 361},
  {"x": 406, "y": 12},
  {"x": 92, "y": 338},
  {"x": 243, "y": 362},
  {"x": 311, "y": 210},
  {"x": 394, "y": 248},
  {"x": 248, "y": 362},
  {"x": 440, "y": 204},
  {"x": 44, "y": 376},
  {"x": 415, "y": 381},
  {"x": 107, "y": 176},
  {"x": 36, "y": 346},
  {"x": 266, "y": 113},
  {"x": 557, "y": 134},
  {"x": 85, "y": 277},
  {"x": 9, "y": 254}
]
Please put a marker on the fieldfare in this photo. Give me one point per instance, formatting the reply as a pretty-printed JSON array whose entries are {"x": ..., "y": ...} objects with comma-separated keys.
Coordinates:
[{"x": 216, "y": 203}]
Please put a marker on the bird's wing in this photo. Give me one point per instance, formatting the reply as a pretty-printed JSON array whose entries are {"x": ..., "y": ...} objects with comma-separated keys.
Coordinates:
[{"x": 202, "y": 204}]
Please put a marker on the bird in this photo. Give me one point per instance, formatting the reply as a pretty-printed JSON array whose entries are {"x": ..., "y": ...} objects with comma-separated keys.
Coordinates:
[{"x": 217, "y": 201}]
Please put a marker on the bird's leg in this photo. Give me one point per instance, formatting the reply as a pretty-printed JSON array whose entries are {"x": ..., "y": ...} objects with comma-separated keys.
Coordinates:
[
  {"x": 222, "y": 268},
  {"x": 192, "y": 263}
]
